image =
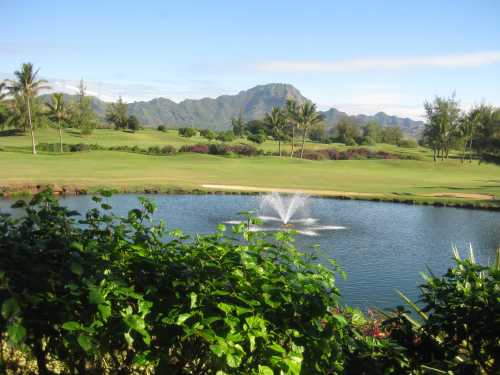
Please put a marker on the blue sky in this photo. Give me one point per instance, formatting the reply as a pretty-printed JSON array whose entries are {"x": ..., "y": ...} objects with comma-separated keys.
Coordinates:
[{"x": 358, "y": 56}]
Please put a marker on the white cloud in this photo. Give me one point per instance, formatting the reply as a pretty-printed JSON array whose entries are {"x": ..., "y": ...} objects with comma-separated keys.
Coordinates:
[{"x": 467, "y": 60}]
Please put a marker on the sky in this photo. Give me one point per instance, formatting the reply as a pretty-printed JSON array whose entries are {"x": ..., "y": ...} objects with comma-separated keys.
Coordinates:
[{"x": 356, "y": 56}]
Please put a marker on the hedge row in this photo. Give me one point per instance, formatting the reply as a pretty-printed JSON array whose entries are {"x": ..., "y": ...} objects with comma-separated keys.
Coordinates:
[{"x": 351, "y": 154}]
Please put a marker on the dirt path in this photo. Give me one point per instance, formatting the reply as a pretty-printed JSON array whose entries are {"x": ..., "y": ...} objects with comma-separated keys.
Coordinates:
[
  {"x": 472, "y": 196},
  {"x": 286, "y": 190},
  {"x": 460, "y": 195}
]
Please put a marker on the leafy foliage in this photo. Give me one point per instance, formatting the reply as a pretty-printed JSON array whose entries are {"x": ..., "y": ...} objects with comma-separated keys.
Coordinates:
[{"x": 111, "y": 295}]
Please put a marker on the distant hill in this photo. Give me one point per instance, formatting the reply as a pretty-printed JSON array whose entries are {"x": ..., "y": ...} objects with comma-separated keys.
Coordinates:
[
  {"x": 253, "y": 103},
  {"x": 407, "y": 125}
]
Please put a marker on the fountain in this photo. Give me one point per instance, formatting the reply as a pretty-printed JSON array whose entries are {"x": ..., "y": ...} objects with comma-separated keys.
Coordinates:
[{"x": 287, "y": 212}]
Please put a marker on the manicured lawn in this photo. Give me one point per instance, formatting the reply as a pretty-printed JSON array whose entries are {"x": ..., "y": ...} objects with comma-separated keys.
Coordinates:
[
  {"x": 151, "y": 137},
  {"x": 134, "y": 172}
]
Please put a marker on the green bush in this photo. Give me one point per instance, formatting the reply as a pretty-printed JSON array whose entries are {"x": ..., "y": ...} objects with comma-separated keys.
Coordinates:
[
  {"x": 208, "y": 134},
  {"x": 108, "y": 295},
  {"x": 227, "y": 136},
  {"x": 407, "y": 143},
  {"x": 162, "y": 128},
  {"x": 350, "y": 142},
  {"x": 368, "y": 141},
  {"x": 258, "y": 138},
  {"x": 187, "y": 132}
]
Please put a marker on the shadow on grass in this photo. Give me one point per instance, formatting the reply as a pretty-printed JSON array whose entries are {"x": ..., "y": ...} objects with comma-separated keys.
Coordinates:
[{"x": 12, "y": 132}]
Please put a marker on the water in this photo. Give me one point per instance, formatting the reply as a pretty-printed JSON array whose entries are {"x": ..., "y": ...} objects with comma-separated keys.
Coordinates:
[{"x": 383, "y": 247}]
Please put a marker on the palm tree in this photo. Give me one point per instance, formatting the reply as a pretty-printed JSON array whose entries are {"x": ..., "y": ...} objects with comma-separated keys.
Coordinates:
[
  {"x": 27, "y": 85},
  {"x": 238, "y": 124},
  {"x": 291, "y": 112},
  {"x": 307, "y": 117},
  {"x": 58, "y": 113},
  {"x": 17, "y": 115},
  {"x": 3, "y": 87},
  {"x": 276, "y": 121}
]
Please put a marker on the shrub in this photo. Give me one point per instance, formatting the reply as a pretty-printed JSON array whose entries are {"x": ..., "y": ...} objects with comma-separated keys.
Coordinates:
[
  {"x": 198, "y": 148},
  {"x": 208, "y": 134},
  {"x": 162, "y": 128},
  {"x": 187, "y": 132},
  {"x": 407, "y": 143},
  {"x": 227, "y": 136},
  {"x": 350, "y": 142},
  {"x": 218, "y": 149},
  {"x": 258, "y": 138},
  {"x": 458, "y": 330},
  {"x": 368, "y": 141},
  {"x": 110, "y": 296}
]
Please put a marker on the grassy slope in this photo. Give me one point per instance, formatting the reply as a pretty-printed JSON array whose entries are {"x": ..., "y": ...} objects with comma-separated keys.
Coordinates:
[
  {"x": 128, "y": 171},
  {"x": 150, "y": 137}
]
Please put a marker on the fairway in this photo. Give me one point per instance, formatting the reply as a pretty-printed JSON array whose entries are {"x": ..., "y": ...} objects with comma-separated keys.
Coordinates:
[{"x": 137, "y": 172}]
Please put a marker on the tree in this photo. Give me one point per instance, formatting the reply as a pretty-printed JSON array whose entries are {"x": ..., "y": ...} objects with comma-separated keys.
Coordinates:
[
  {"x": 117, "y": 114},
  {"x": 208, "y": 134},
  {"x": 133, "y": 123},
  {"x": 238, "y": 125},
  {"x": 392, "y": 135},
  {"x": 58, "y": 113},
  {"x": 258, "y": 138},
  {"x": 307, "y": 117},
  {"x": 317, "y": 133},
  {"x": 373, "y": 130},
  {"x": 27, "y": 86},
  {"x": 187, "y": 132},
  {"x": 3, "y": 90},
  {"x": 291, "y": 111},
  {"x": 443, "y": 120},
  {"x": 347, "y": 129},
  {"x": 276, "y": 122},
  {"x": 487, "y": 138},
  {"x": 81, "y": 114}
]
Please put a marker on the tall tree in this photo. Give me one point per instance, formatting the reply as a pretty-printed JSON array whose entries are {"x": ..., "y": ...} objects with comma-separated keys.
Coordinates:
[
  {"x": 238, "y": 125},
  {"x": 117, "y": 114},
  {"x": 82, "y": 115},
  {"x": 308, "y": 117},
  {"x": 291, "y": 113},
  {"x": 27, "y": 86},
  {"x": 3, "y": 90},
  {"x": 276, "y": 122},
  {"x": 58, "y": 113},
  {"x": 487, "y": 141},
  {"x": 443, "y": 120},
  {"x": 3, "y": 110}
]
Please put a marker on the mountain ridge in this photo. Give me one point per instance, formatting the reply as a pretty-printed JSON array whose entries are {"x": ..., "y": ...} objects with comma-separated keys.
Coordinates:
[{"x": 216, "y": 113}]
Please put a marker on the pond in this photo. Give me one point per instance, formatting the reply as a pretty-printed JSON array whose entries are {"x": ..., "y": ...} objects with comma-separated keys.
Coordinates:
[{"x": 383, "y": 247}]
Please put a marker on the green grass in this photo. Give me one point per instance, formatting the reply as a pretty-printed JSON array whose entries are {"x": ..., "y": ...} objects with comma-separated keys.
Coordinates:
[
  {"x": 385, "y": 179},
  {"x": 151, "y": 137}
]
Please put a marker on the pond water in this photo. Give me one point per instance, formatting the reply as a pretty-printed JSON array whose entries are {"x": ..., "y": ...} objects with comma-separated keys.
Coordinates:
[{"x": 382, "y": 247}]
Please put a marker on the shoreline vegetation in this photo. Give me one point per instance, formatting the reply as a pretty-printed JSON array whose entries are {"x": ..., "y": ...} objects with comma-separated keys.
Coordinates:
[
  {"x": 96, "y": 293},
  {"x": 467, "y": 201}
]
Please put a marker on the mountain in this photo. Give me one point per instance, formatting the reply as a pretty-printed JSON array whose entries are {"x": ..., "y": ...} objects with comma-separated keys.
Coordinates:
[
  {"x": 407, "y": 125},
  {"x": 253, "y": 104},
  {"x": 215, "y": 113}
]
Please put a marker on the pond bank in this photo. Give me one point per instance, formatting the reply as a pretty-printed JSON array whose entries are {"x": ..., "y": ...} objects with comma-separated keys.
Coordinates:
[{"x": 444, "y": 199}]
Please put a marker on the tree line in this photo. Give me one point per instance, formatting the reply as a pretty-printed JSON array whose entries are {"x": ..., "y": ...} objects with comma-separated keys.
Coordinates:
[
  {"x": 22, "y": 108},
  {"x": 475, "y": 133}
]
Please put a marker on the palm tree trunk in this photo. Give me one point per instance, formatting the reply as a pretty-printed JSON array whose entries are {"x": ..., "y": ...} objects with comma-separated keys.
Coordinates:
[
  {"x": 470, "y": 150},
  {"x": 279, "y": 146},
  {"x": 60, "y": 138},
  {"x": 293, "y": 141},
  {"x": 31, "y": 126},
  {"x": 303, "y": 141}
]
